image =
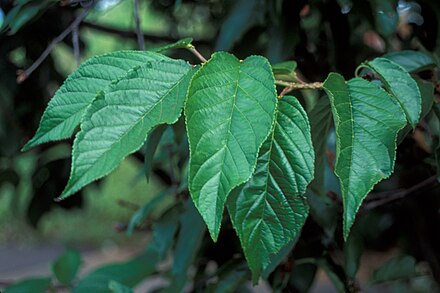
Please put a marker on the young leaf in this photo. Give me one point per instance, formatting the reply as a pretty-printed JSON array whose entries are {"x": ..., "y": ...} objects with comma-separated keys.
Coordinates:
[
  {"x": 269, "y": 210},
  {"x": 367, "y": 120},
  {"x": 400, "y": 84},
  {"x": 183, "y": 43},
  {"x": 229, "y": 114},
  {"x": 66, "y": 267},
  {"x": 64, "y": 111},
  {"x": 118, "y": 121},
  {"x": 411, "y": 61},
  {"x": 285, "y": 70}
]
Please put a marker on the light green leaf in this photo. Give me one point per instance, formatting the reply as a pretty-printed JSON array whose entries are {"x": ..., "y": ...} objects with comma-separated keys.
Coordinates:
[
  {"x": 367, "y": 120},
  {"x": 401, "y": 85},
  {"x": 399, "y": 267},
  {"x": 64, "y": 111},
  {"x": 229, "y": 114},
  {"x": 183, "y": 43},
  {"x": 66, "y": 266},
  {"x": 117, "y": 287},
  {"x": 119, "y": 120},
  {"x": 192, "y": 231},
  {"x": 411, "y": 61},
  {"x": 269, "y": 210},
  {"x": 32, "y": 285}
]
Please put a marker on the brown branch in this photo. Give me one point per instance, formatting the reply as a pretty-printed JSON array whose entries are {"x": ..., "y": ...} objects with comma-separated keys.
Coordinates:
[
  {"x": 375, "y": 200},
  {"x": 139, "y": 36},
  {"x": 23, "y": 74}
]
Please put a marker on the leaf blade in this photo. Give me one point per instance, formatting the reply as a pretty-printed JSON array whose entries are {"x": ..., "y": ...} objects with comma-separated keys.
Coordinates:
[
  {"x": 363, "y": 156},
  {"x": 102, "y": 143},
  {"x": 223, "y": 119},
  {"x": 269, "y": 210},
  {"x": 65, "y": 110}
]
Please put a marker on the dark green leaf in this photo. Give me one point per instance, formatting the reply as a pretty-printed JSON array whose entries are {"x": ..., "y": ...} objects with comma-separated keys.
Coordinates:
[
  {"x": 367, "y": 120},
  {"x": 399, "y": 267},
  {"x": 285, "y": 70},
  {"x": 386, "y": 16},
  {"x": 269, "y": 210},
  {"x": 229, "y": 114},
  {"x": 151, "y": 144},
  {"x": 119, "y": 120},
  {"x": 401, "y": 85},
  {"x": 192, "y": 230},
  {"x": 65, "y": 110},
  {"x": 276, "y": 259},
  {"x": 34, "y": 285},
  {"x": 412, "y": 61},
  {"x": 242, "y": 17},
  {"x": 231, "y": 277},
  {"x": 353, "y": 249},
  {"x": 66, "y": 266}
]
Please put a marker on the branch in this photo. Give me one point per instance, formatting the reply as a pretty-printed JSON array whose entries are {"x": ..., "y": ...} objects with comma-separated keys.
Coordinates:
[
  {"x": 132, "y": 35},
  {"x": 375, "y": 200},
  {"x": 290, "y": 86},
  {"x": 196, "y": 53},
  {"x": 75, "y": 43},
  {"x": 23, "y": 74},
  {"x": 140, "y": 37}
]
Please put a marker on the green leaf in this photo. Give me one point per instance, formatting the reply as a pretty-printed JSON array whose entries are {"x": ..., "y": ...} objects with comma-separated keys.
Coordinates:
[
  {"x": 231, "y": 276},
  {"x": 119, "y": 120},
  {"x": 399, "y": 267},
  {"x": 183, "y": 43},
  {"x": 269, "y": 210},
  {"x": 117, "y": 287},
  {"x": 241, "y": 17},
  {"x": 133, "y": 271},
  {"x": 386, "y": 16},
  {"x": 192, "y": 231},
  {"x": 367, "y": 120},
  {"x": 353, "y": 249},
  {"x": 320, "y": 122},
  {"x": 229, "y": 114},
  {"x": 141, "y": 214},
  {"x": 285, "y": 70},
  {"x": 411, "y": 61},
  {"x": 276, "y": 259},
  {"x": 151, "y": 144},
  {"x": 66, "y": 266},
  {"x": 65, "y": 110},
  {"x": 401, "y": 85},
  {"x": 33, "y": 285}
]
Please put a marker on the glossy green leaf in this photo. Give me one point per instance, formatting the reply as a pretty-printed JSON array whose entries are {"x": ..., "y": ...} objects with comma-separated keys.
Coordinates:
[
  {"x": 117, "y": 287},
  {"x": 65, "y": 110},
  {"x": 367, "y": 120},
  {"x": 285, "y": 70},
  {"x": 183, "y": 43},
  {"x": 269, "y": 210},
  {"x": 135, "y": 270},
  {"x": 320, "y": 122},
  {"x": 401, "y": 85},
  {"x": 192, "y": 231},
  {"x": 229, "y": 114},
  {"x": 32, "y": 285},
  {"x": 411, "y": 61},
  {"x": 119, "y": 120},
  {"x": 151, "y": 145},
  {"x": 66, "y": 266},
  {"x": 399, "y": 267}
]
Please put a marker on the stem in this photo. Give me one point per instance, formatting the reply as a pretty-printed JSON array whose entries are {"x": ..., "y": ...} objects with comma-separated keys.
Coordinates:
[
  {"x": 23, "y": 74},
  {"x": 140, "y": 37},
  {"x": 290, "y": 86},
  {"x": 75, "y": 43},
  {"x": 358, "y": 69},
  {"x": 196, "y": 53}
]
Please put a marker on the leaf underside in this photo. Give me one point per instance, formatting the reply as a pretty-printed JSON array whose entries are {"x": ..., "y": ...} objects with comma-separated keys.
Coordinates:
[
  {"x": 229, "y": 114},
  {"x": 367, "y": 120},
  {"x": 119, "y": 120},
  {"x": 65, "y": 110},
  {"x": 270, "y": 209}
]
